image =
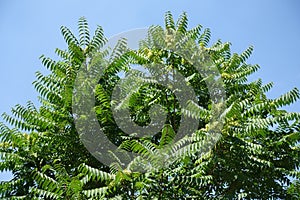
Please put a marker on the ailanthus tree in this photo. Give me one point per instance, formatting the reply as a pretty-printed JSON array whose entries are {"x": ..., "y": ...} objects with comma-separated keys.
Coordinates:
[{"x": 255, "y": 156}]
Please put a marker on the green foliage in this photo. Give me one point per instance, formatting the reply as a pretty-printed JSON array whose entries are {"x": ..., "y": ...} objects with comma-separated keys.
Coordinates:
[
  {"x": 46, "y": 136},
  {"x": 257, "y": 152},
  {"x": 294, "y": 189}
]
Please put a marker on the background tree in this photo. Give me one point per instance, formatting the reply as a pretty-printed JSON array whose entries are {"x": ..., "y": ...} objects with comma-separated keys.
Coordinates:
[{"x": 254, "y": 158}]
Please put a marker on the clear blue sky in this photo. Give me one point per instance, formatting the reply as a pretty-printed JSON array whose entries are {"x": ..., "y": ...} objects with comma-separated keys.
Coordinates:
[{"x": 31, "y": 28}]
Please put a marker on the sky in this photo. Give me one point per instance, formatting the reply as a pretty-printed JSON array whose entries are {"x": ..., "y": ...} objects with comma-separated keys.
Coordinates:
[{"x": 31, "y": 28}]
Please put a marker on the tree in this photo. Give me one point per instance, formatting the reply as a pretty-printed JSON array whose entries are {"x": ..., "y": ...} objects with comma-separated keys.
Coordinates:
[{"x": 254, "y": 155}]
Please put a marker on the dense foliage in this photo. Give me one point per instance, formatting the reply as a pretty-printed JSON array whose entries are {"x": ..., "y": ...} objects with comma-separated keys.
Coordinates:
[{"x": 255, "y": 157}]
